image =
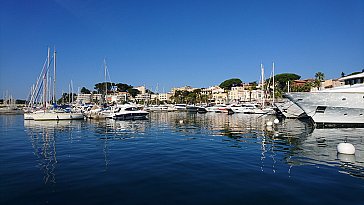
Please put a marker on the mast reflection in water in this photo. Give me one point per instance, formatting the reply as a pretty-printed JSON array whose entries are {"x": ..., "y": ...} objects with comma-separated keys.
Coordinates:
[{"x": 42, "y": 135}]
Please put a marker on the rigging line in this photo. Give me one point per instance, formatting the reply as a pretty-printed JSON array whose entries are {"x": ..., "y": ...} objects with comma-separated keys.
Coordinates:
[{"x": 38, "y": 80}]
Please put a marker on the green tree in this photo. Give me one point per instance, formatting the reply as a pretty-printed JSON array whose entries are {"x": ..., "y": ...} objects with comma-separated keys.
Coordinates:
[
  {"x": 66, "y": 97},
  {"x": 85, "y": 91},
  {"x": 305, "y": 88},
  {"x": 282, "y": 79},
  {"x": 227, "y": 84},
  {"x": 123, "y": 87},
  {"x": 319, "y": 77},
  {"x": 133, "y": 92},
  {"x": 182, "y": 96},
  {"x": 100, "y": 87}
]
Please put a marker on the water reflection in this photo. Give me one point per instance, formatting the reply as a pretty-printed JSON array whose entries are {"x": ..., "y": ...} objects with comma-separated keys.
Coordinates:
[
  {"x": 278, "y": 148},
  {"x": 43, "y": 135},
  {"x": 321, "y": 147},
  {"x": 292, "y": 142},
  {"x": 117, "y": 129}
]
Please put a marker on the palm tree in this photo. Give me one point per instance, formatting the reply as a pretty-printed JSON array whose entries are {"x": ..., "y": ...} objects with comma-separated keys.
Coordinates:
[{"x": 319, "y": 77}]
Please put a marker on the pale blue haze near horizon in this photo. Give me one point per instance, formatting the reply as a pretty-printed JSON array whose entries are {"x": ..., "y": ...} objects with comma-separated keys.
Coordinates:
[{"x": 176, "y": 43}]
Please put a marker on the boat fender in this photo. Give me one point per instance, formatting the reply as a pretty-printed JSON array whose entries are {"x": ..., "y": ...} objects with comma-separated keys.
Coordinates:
[
  {"x": 276, "y": 121},
  {"x": 345, "y": 148}
]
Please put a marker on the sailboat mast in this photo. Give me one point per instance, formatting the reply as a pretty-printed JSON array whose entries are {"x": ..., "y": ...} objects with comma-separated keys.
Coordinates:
[
  {"x": 54, "y": 76},
  {"x": 72, "y": 92},
  {"x": 105, "y": 78},
  {"x": 263, "y": 93},
  {"x": 69, "y": 93},
  {"x": 45, "y": 80},
  {"x": 273, "y": 85}
]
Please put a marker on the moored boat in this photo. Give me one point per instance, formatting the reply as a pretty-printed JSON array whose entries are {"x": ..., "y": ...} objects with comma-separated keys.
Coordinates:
[
  {"x": 129, "y": 112},
  {"x": 338, "y": 106}
]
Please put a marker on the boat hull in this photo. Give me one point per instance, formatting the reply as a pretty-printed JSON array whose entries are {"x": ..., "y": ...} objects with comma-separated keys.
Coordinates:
[
  {"x": 331, "y": 108},
  {"x": 131, "y": 116},
  {"x": 54, "y": 116},
  {"x": 290, "y": 110}
]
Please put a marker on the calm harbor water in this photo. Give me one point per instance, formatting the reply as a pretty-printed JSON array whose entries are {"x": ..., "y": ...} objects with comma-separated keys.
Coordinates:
[{"x": 178, "y": 158}]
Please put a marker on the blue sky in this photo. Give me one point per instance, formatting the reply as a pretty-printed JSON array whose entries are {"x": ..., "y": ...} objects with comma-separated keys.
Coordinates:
[{"x": 174, "y": 43}]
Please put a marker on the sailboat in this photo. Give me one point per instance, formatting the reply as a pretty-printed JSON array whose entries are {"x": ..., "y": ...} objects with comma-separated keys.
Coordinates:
[
  {"x": 10, "y": 107},
  {"x": 46, "y": 113}
]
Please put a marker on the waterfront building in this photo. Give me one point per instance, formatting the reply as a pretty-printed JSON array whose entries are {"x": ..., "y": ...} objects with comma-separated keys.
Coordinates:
[
  {"x": 213, "y": 89},
  {"x": 84, "y": 98},
  {"x": 299, "y": 83},
  {"x": 331, "y": 83},
  {"x": 219, "y": 97},
  {"x": 117, "y": 97},
  {"x": 215, "y": 94},
  {"x": 236, "y": 94},
  {"x": 142, "y": 89},
  {"x": 164, "y": 97},
  {"x": 154, "y": 97},
  {"x": 184, "y": 88},
  {"x": 145, "y": 97},
  {"x": 89, "y": 98},
  {"x": 97, "y": 98},
  {"x": 244, "y": 93},
  {"x": 251, "y": 95}
]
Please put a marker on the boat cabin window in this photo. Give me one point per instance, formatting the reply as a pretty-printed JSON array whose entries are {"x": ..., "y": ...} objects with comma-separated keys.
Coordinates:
[{"x": 130, "y": 109}]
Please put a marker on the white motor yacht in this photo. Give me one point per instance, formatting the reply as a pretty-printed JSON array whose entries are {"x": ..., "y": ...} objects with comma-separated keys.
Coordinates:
[
  {"x": 129, "y": 112},
  {"x": 247, "y": 108},
  {"x": 339, "y": 105}
]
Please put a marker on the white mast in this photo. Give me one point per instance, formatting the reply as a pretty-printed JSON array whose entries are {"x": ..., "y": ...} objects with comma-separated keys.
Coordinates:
[
  {"x": 72, "y": 91},
  {"x": 273, "y": 85},
  {"x": 49, "y": 86},
  {"x": 69, "y": 93},
  {"x": 263, "y": 93},
  {"x": 45, "y": 80},
  {"x": 105, "y": 78},
  {"x": 54, "y": 77}
]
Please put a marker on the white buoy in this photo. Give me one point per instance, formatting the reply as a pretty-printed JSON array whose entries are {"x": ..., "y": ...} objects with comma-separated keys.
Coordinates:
[
  {"x": 276, "y": 121},
  {"x": 269, "y": 123},
  {"x": 345, "y": 148}
]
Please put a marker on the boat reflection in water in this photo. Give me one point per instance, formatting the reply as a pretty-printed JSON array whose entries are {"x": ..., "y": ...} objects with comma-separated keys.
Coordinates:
[
  {"x": 294, "y": 141},
  {"x": 274, "y": 149},
  {"x": 43, "y": 136},
  {"x": 118, "y": 129}
]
